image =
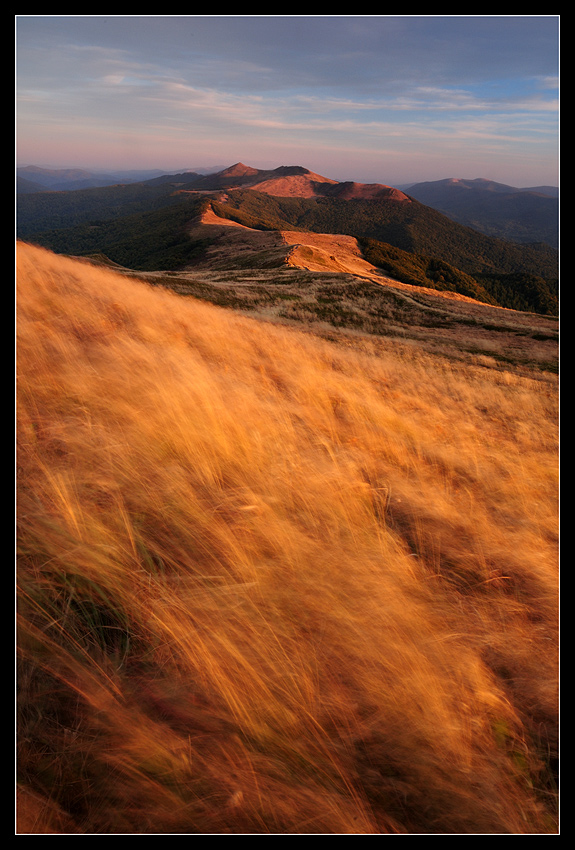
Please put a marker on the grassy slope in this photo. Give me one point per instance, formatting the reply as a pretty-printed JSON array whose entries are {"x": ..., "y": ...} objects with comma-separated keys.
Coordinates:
[{"x": 274, "y": 584}]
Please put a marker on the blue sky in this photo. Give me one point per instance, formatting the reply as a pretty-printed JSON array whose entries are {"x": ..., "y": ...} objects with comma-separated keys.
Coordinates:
[{"x": 388, "y": 99}]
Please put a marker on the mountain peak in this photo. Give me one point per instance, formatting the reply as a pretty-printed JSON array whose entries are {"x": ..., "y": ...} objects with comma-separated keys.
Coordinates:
[{"x": 239, "y": 170}]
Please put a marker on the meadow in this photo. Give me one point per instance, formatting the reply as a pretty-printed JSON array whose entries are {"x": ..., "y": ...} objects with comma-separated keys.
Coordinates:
[{"x": 273, "y": 583}]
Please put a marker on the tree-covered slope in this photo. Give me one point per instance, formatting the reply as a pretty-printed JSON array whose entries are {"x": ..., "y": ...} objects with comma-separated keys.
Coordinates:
[
  {"x": 147, "y": 241},
  {"x": 55, "y": 210},
  {"x": 517, "y": 291}
]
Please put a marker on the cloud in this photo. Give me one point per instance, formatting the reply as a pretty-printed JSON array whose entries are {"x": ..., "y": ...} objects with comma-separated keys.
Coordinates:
[{"x": 392, "y": 83}]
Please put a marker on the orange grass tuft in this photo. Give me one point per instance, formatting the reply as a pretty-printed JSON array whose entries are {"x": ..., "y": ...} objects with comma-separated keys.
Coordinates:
[{"x": 273, "y": 584}]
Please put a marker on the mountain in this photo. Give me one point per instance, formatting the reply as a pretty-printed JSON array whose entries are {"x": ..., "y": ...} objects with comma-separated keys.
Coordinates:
[
  {"x": 175, "y": 180},
  {"x": 551, "y": 191},
  {"x": 411, "y": 226},
  {"x": 293, "y": 181},
  {"x": 64, "y": 179},
  {"x": 285, "y": 180},
  {"x": 26, "y": 186},
  {"x": 228, "y": 246},
  {"x": 495, "y": 209},
  {"x": 149, "y": 226}
]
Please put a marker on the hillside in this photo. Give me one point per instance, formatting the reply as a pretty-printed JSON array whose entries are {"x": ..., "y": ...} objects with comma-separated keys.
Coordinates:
[
  {"x": 279, "y": 578},
  {"x": 360, "y": 284},
  {"x": 51, "y": 210},
  {"x": 187, "y": 235}
]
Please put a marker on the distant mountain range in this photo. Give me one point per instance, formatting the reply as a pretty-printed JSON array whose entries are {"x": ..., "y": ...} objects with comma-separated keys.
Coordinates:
[
  {"x": 519, "y": 215},
  {"x": 480, "y": 183},
  {"x": 32, "y": 178}
]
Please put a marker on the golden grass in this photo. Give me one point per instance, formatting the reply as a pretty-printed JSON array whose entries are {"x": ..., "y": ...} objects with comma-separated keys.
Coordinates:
[{"x": 273, "y": 584}]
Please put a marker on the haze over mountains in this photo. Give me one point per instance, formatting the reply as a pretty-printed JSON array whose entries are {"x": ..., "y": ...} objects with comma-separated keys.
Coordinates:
[{"x": 33, "y": 178}]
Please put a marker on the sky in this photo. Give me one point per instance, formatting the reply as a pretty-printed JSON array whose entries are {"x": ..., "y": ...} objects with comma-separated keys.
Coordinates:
[{"x": 377, "y": 98}]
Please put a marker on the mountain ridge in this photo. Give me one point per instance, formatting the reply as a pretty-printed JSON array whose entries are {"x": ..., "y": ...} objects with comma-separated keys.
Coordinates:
[
  {"x": 311, "y": 252},
  {"x": 290, "y": 181},
  {"x": 487, "y": 184},
  {"x": 148, "y": 225},
  {"x": 491, "y": 208}
]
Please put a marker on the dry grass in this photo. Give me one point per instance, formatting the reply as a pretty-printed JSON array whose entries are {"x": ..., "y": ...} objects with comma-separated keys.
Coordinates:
[{"x": 273, "y": 584}]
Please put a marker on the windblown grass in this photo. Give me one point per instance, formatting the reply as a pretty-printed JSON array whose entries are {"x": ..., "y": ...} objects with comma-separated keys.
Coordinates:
[{"x": 273, "y": 584}]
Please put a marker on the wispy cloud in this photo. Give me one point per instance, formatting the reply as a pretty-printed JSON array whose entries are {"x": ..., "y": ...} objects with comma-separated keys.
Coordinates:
[{"x": 313, "y": 83}]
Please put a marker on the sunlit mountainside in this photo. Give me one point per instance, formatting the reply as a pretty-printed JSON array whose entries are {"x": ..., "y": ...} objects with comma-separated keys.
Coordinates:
[{"x": 287, "y": 535}]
